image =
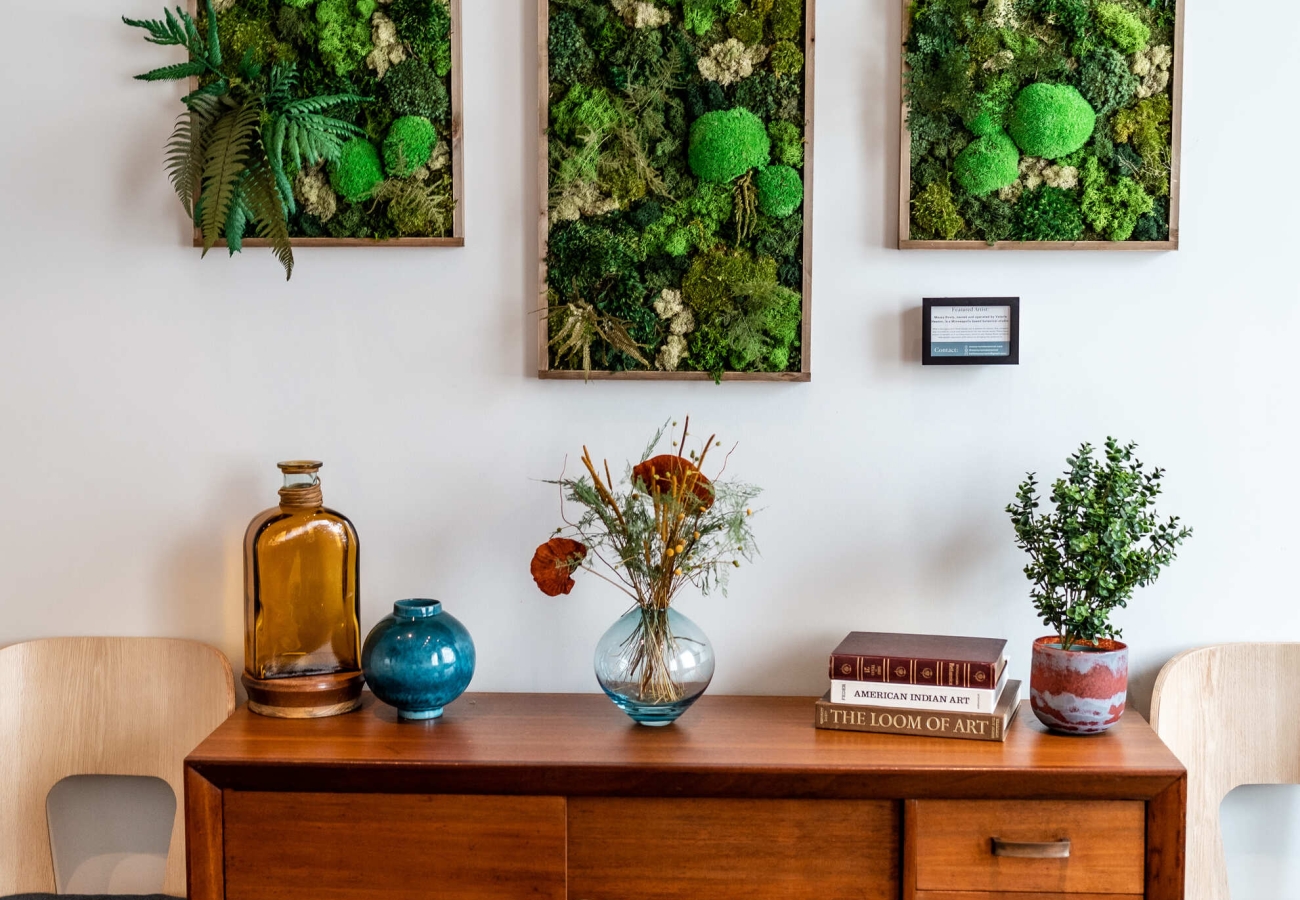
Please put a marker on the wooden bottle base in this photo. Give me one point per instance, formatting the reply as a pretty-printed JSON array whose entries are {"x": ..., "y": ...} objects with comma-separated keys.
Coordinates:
[{"x": 304, "y": 696}]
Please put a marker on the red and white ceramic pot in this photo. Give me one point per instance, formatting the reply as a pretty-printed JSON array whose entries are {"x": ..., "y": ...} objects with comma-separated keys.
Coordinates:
[{"x": 1081, "y": 690}]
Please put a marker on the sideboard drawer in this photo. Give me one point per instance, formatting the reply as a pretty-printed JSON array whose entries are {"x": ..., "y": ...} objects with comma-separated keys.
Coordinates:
[
  {"x": 666, "y": 849},
  {"x": 291, "y": 846},
  {"x": 956, "y": 841},
  {"x": 1019, "y": 895}
]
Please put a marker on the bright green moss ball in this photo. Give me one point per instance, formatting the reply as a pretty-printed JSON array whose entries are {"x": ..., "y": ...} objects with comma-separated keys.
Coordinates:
[
  {"x": 1051, "y": 120},
  {"x": 780, "y": 191},
  {"x": 727, "y": 143},
  {"x": 409, "y": 145},
  {"x": 357, "y": 171},
  {"x": 989, "y": 163}
]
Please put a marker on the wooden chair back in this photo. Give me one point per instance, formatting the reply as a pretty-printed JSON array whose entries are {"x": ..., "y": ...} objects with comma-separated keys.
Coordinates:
[
  {"x": 1231, "y": 714},
  {"x": 98, "y": 706}
]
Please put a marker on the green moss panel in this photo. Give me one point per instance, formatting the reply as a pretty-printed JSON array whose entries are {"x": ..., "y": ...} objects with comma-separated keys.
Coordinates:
[
  {"x": 1040, "y": 120},
  {"x": 676, "y": 146},
  {"x": 396, "y": 180}
]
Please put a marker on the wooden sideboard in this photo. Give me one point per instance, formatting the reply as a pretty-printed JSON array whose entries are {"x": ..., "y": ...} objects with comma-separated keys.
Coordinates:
[{"x": 559, "y": 796}]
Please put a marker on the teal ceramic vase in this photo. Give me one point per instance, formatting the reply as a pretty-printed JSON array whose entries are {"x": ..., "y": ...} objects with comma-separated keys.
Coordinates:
[{"x": 418, "y": 659}]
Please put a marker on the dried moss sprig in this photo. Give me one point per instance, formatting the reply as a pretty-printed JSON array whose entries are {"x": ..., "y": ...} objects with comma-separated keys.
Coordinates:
[
  {"x": 581, "y": 325},
  {"x": 746, "y": 205},
  {"x": 417, "y": 208}
]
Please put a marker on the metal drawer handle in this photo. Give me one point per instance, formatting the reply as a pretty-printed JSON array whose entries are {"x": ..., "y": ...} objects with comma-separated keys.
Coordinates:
[{"x": 1032, "y": 849}]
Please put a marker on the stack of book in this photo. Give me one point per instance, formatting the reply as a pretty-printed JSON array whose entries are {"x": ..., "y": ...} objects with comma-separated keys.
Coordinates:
[{"x": 926, "y": 684}]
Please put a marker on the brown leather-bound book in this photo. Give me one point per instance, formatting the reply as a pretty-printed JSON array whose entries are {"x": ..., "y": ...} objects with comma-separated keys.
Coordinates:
[
  {"x": 878, "y": 720},
  {"x": 937, "y": 659}
]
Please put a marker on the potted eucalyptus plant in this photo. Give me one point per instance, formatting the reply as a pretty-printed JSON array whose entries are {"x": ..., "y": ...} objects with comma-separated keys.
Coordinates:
[{"x": 1101, "y": 540}]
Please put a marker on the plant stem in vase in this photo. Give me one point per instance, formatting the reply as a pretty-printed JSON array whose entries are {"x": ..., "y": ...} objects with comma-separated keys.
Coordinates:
[{"x": 654, "y": 663}]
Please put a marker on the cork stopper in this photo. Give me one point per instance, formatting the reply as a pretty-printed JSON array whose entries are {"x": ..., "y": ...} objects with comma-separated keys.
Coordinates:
[{"x": 301, "y": 484}]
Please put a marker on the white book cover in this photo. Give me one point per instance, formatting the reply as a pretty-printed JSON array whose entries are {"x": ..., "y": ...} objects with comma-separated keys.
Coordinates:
[{"x": 919, "y": 696}]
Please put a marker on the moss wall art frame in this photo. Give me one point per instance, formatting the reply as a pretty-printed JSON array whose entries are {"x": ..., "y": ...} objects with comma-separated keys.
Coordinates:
[
  {"x": 1041, "y": 125},
  {"x": 675, "y": 189},
  {"x": 381, "y": 48}
]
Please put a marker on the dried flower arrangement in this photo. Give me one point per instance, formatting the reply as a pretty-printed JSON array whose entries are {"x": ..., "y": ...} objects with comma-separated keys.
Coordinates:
[{"x": 667, "y": 526}]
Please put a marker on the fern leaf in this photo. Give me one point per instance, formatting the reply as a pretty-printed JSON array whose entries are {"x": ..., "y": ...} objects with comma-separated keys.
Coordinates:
[
  {"x": 313, "y": 145},
  {"x": 321, "y": 103},
  {"x": 206, "y": 103},
  {"x": 317, "y": 147},
  {"x": 214, "y": 39},
  {"x": 226, "y": 157},
  {"x": 214, "y": 89},
  {"x": 280, "y": 85},
  {"x": 185, "y": 156},
  {"x": 275, "y": 153},
  {"x": 319, "y": 123},
  {"x": 174, "y": 72},
  {"x": 326, "y": 147},
  {"x": 192, "y": 39},
  {"x": 268, "y": 216},
  {"x": 159, "y": 33},
  {"x": 248, "y": 68},
  {"x": 174, "y": 30},
  {"x": 312, "y": 138},
  {"x": 236, "y": 220},
  {"x": 177, "y": 25},
  {"x": 299, "y": 143},
  {"x": 297, "y": 153}
]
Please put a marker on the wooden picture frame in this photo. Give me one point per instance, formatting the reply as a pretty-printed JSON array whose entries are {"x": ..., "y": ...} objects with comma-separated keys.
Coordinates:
[
  {"x": 905, "y": 241},
  {"x": 457, "y": 238},
  {"x": 928, "y": 357},
  {"x": 544, "y": 371}
]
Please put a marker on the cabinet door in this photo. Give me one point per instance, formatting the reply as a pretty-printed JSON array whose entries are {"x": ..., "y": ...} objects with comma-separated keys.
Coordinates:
[
  {"x": 1045, "y": 846},
  {"x": 653, "y": 849},
  {"x": 290, "y": 846}
]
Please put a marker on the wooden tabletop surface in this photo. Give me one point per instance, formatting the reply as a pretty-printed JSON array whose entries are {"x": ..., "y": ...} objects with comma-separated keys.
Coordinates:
[{"x": 581, "y": 744}]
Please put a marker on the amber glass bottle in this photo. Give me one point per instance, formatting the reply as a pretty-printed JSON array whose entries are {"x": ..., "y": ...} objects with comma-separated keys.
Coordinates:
[{"x": 302, "y": 634}]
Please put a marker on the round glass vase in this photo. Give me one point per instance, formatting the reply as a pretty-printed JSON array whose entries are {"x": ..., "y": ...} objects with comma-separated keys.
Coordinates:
[{"x": 654, "y": 663}]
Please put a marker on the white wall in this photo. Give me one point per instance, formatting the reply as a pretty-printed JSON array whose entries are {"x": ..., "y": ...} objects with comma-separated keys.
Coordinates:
[{"x": 145, "y": 395}]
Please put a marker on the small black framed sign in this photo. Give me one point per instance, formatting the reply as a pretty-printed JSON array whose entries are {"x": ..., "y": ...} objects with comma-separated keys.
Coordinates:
[{"x": 970, "y": 331}]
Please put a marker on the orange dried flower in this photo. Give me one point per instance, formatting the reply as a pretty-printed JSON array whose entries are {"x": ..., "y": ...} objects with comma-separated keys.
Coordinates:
[
  {"x": 553, "y": 564},
  {"x": 659, "y": 472}
]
